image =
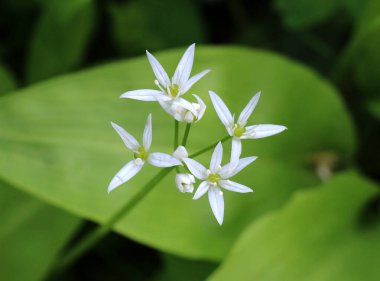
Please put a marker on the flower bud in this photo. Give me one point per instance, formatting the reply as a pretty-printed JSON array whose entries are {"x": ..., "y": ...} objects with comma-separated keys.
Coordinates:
[{"x": 184, "y": 182}]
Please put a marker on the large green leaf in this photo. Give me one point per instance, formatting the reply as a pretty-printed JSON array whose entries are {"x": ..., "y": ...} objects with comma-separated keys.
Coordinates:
[
  {"x": 321, "y": 234},
  {"x": 60, "y": 38},
  {"x": 56, "y": 142},
  {"x": 31, "y": 235}
]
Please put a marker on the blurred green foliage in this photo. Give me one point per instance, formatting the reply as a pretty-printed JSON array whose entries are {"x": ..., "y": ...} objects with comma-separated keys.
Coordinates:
[
  {"x": 58, "y": 150},
  {"x": 32, "y": 233},
  {"x": 75, "y": 147},
  {"x": 60, "y": 38},
  {"x": 325, "y": 224}
]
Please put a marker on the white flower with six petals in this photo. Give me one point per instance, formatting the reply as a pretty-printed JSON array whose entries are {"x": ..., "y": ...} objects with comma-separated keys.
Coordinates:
[
  {"x": 141, "y": 155},
  {"x": 170, "y": 91},
  {"x": 239, "y": 130},
  {"x": 217, "y": 177}
]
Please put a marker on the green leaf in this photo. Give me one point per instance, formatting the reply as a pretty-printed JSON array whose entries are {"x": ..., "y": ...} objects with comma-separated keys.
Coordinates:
[
  {"x": 60, "y": 38},
  {"x": 321, "y": 234},
  {"x": 31, "y": 235},
  {"x": 304, "y": 14},
  {"x": 7, "y": 83},
  {"x": 374, "y": 107},
  {"x": 366, "y": 57},
  {"x": 58, "y": 136},
  {"x": 149, "y": 24}
]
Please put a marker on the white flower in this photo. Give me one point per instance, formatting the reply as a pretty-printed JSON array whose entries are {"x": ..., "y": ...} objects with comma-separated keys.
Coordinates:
[
  {"x": 239, "y": 130},
  {"x": 169, "y": 90},
  {"x": 216, "y": 177},
  {"x": 141, "y": 155},
  {"x": 183, "y": 110},
  {"x": 184, "y": 182}
]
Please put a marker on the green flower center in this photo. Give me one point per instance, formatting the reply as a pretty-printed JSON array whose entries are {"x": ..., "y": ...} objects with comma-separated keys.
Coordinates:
[
  {"x": 214, "y": 178},
  {"x": 173, "y": 90},
  {"x": 142, "y": 154},
  {"x": 239, "y": 131}
]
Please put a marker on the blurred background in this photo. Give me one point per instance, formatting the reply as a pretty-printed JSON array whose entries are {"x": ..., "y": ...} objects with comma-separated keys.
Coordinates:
[{"x": 340, "y": 40}]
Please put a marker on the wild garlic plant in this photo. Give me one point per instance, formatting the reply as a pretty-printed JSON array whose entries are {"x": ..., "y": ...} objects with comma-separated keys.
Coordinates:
[{"x": 169, "y": 95}]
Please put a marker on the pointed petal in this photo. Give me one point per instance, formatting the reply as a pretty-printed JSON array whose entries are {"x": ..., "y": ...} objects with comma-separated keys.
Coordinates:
[
  {"x": 147, "y": 136},
  {"x": 193, "y": 80},
  {"x": 158, "y": 70},
  {"x": 202, "y": 189},
  {"x": 228, "y": 170},
  {"x": 127, "y": 138},
  {"x": 262, "y": 131},
  {"x": 216, "y": 158},
  {"x": 159, "y": 159},
  {"x": 247, "y": 111},
  {"x": 221, "y": 109},
  {"x": 180, "y": 153},
  {"x": 234, "y": 186},
  {"x": 126, "y": 173},
  {"x": 215, "y": 197},
  {"x": 143, "y": 95},
  {"x": 235, "y": 152},
  {"x": 196, "y": 168},
  {"x": 183, "y": 70},
  {"x": 202, "y": 109}
]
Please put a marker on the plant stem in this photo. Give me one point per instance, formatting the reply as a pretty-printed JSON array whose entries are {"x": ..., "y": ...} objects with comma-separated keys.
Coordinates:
[
  {"x": 209, "y": 147},
  {"x": 186, "y": 135},
  {"x": 92, "y": 238},
  {"x": 176, "y": 130}
]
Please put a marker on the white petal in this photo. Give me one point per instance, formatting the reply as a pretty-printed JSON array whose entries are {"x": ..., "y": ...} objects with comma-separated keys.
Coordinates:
[
  {"x": 147, "y": 136},
  {"x": 262, "y": 131},
  {"x": 235, "y": 152},
  {"x": 180, "y": 153},
  {"x": 202, "y": 189},
  {"x": 216, "y": 158},
  {"x": 228, "y": 171},
  {"x": 193, "y": 80},
  {"x": 127, "y": 138},
  {"x": 186, "y": 104},
  {"x": 158, "y": 70},
  {"x": 215, "y": 197},
  {"x": 234, "y": 186},
  {"x": 183, "y": 70},
  {"x": 126, "y": 173},
  {"x": 222, "y": 110},
  {"x": 159, "y": 159},
  {"x": 247, "y": 111},
  {"x": 143, "y": 95},
  {"x": 166, "y": 105},
  {"x": 202, "y": 108},
  {"x": 196, "y": 168}
]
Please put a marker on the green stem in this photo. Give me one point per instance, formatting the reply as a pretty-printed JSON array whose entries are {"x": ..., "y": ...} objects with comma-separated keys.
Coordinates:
[
  {"x": 92, "y": 238},
  {"x": 209, "y": 147},
  {"x": 176, "y": 130},
  {"x": 186, "y": 135}
]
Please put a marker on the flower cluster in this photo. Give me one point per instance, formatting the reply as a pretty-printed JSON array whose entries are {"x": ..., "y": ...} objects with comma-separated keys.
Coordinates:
[{"x": 169, "y": 96}]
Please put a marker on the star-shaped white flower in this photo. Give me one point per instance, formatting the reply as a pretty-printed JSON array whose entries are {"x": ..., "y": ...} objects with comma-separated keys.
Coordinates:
[
  {"x": 238, "y": 130},
  {"x": 217, "y": 177},
  {"x": 141, "y": 155},
  {"x": 169, "y": 90}
]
